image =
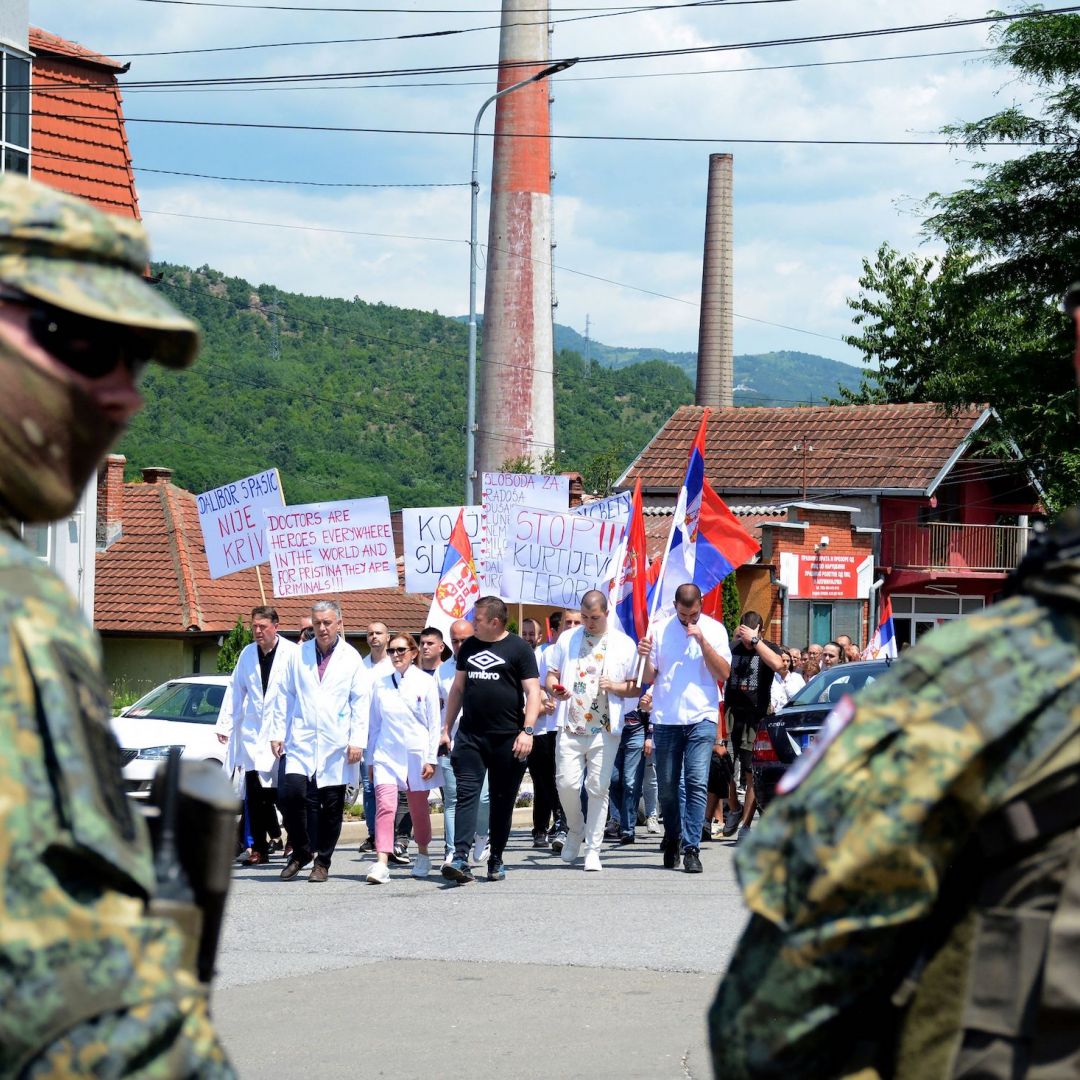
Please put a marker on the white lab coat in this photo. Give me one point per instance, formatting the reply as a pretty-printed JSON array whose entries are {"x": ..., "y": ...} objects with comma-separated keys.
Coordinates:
[
  {"x": 246, "y": 721},
  {"x": 620, "y": 662},
  {"x": 403, "y": 734},
  {"x": 318, "y": 719}
]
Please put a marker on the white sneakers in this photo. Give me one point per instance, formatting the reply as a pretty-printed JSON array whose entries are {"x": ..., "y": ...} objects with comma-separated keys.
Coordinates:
[
  {"x": 421, "y": 867},
  {"x": 592, "y": 860},
  {"x": 480, "y": 851},
  {"x": 379, "y": 874},
  {"x": 571, "y": 848},
  {"x": 652, "y": 824}
]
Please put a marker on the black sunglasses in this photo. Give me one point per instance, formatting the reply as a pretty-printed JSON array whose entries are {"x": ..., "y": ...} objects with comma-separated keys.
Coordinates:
[
  {"x": 91, "y": 347},
  {"x": 397, "y": 652}
]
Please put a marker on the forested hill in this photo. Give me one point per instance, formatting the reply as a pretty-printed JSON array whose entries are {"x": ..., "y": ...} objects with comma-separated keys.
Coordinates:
[{"x": 350, "y": 399}]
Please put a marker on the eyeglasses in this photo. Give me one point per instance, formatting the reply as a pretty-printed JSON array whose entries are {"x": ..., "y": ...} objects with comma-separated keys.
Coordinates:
[
  {"x": 91, "y": 347},
  {"x": 397, "y": 652}
]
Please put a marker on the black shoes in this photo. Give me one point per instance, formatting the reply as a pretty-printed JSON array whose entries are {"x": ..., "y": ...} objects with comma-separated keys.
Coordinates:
[
  {"x": 691, "y": 863},
  {"x": 400, "y": 855},
  {"x": 540, "y": 838},
  {"x": 626, "y": 838},
  {"x": 458, "y": 870},
  {"x": 496, "y": 871},
  {"x": 732, "y": 820},
  {"x": 671, "y": 853}
]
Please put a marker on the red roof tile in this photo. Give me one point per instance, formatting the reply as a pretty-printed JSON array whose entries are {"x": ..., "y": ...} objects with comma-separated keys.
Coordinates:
[
  {"x": 155, "y": 579},
  {"x": 855, "y": 447},
  {"x": 79, "y": 142}
]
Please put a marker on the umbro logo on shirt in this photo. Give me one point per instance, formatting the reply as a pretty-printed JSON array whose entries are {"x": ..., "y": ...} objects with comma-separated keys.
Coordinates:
[{"x": 484, "y": 660}]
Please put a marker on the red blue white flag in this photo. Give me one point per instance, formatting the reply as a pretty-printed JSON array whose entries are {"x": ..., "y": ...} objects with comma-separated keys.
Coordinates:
[
  {"x": 883, "y": 641},
  {"x": 628, "y": 596},
  {"x": 458, "y": 590}
]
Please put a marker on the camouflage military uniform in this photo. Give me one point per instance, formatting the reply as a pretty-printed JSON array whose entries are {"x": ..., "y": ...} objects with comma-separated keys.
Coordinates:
[
  {"x": 846, "y": 874},
  {"x": 88, "y": 984}
]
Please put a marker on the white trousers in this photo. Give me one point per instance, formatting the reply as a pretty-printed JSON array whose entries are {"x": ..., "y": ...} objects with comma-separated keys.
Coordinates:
[{"x": 592, "y": 758}]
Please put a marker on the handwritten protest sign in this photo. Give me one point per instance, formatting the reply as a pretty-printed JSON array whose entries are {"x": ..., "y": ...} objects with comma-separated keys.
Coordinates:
[
  {"x": 425, "y": 531},
  {"x": 554, "y": 558},
  {"x": 331, "y": 547},
  {"x": 500, "y": 494},
  {"x": 613, "y": 508},
  {"x": 232, "y": 522}
]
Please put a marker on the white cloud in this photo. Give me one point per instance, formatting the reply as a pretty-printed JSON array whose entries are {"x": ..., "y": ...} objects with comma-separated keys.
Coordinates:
[{"x": 632, "y": 212}]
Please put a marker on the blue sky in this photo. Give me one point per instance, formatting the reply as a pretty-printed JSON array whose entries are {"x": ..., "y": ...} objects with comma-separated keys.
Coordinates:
[{"x": 632, "y": 212}]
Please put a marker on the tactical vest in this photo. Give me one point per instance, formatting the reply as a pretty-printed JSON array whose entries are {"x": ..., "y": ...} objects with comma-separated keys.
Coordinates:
[{"x": 996, "y": 992}]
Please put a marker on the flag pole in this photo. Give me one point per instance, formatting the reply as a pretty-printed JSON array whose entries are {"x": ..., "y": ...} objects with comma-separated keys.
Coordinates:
[{"x": 656, "y": 594}]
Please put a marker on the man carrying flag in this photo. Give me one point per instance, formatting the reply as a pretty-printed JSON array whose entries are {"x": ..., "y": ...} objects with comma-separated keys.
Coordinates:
[
  {"x": 455, "y": 595},
  {"x": 883, "y": 642}
]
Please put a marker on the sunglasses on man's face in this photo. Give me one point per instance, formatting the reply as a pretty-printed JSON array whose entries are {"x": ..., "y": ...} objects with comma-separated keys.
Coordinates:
[{"x": 90, "y": 347}]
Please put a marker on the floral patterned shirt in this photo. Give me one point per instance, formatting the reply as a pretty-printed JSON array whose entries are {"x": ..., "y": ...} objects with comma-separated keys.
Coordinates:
[{"x": 588, "y": 712}]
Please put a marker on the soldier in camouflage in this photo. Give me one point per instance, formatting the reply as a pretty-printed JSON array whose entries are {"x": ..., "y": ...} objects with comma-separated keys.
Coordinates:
[
  {"x": 915, "y": 892},
  {"x": 90, "y": 984}
]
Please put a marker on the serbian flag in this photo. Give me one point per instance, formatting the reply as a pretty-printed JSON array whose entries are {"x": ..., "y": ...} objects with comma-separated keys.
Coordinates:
[
  {"x": 707, "y": 540},
  {"x": 883, "y": 641},
  {"x": 458, "y": 589},
  {"x": 628, "y": 595}
]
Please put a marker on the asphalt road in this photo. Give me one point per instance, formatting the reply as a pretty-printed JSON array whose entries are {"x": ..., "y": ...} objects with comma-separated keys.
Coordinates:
[{"x": 550, "y": 973}]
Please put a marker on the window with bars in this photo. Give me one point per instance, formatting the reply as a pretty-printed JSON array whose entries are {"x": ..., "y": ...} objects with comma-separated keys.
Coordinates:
[{"x": 15, "y": 114}]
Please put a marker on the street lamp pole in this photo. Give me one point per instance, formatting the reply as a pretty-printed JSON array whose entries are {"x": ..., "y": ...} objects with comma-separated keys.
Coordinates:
[{"x": 470, "y": 419}]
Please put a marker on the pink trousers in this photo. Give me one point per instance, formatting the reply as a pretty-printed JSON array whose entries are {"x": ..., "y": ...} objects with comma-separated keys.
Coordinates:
[{"x": 386, "y": 796}]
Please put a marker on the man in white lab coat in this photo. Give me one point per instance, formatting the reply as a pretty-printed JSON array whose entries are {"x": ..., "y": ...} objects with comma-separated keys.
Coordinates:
[
  {"x": 320, "y": 722},
  {"x": 245, "y": 726}
]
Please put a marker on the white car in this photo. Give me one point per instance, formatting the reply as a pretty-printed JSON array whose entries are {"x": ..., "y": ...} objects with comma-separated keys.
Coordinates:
[{"x": 181, "y": 712}]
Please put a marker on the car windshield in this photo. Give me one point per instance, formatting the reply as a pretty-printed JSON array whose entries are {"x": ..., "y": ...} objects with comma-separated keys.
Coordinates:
[
  {"x": 192, "y": 702},
  {"x": 833, "y": 684}
]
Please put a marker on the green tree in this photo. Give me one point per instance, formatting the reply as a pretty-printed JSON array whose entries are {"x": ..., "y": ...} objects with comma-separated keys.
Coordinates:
[
  {"x": 232, "y": 646},
  {"x": 981, "y": 324},
  {"x": 732, "y": 604}
]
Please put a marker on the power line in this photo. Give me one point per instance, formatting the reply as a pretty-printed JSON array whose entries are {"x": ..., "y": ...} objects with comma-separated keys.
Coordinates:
[
  {"x": 251, "y": 179},
  {"x": 501, "y": 251},
  {"x": 567, "y": 78},
  {"x": 649, "y": 54},
  {"x": 410, "y": 11},
  {"x": 611, "y": 14}
]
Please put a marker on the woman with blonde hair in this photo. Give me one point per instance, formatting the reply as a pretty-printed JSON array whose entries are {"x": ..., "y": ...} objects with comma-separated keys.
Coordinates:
[{"x": 403, "y": 746}]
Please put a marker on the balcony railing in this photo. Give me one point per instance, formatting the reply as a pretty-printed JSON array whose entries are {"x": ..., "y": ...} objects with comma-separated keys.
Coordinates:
[{"x": 944, "y": 546}]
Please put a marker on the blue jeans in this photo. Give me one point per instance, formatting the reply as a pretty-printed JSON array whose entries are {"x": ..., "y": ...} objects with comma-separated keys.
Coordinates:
[
  {"x": 369, "y": 796},
  {"x": 627, "y": 778},
  {"x": 684, "y": 752}
]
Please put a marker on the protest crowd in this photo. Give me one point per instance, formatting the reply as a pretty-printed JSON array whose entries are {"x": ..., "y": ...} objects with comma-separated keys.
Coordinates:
[{"x": 614, "y": 735}]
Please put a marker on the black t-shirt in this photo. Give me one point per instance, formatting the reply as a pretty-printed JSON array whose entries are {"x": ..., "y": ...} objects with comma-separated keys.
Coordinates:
[
  {"x": 494, "y": 701},
  {"x": 749, "y": 685}
]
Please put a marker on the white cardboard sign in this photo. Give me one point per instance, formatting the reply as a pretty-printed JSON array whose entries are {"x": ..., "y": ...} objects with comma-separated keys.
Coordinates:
[
  {"x": 232, "y": 522},
  {"x": 500, "y": 494},
  {"x": 613, "y": 508},
  {"x": 332, "y": 547},
  {"x": 554, "y": 558},
  {"x": 424, "y": 534}
]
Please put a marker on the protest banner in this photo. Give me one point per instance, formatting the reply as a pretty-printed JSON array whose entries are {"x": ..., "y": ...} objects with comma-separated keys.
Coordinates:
[
  {"x": 232, "y": 521},
  {"x": 613, "y": 508},
  {"x": 555, "y": 558},
  {"x": 425, "y": 532},
  {"x": 331, "y": 547},
  {"x": 500, "y": 494}
]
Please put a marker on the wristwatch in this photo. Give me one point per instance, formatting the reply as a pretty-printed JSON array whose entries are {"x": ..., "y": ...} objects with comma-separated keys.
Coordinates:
[
  {"x": 754, "y": 640},
  {"x": 527, "y": 729}
]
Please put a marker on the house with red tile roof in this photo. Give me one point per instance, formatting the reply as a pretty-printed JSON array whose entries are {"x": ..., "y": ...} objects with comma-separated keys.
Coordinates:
[
  {"x": 158, "y": 610},
  {"x": 851, "y": 500}
]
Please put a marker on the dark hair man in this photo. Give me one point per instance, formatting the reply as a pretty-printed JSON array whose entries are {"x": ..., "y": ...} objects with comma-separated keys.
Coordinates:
[
  {"x": 915, "y": 893},
  {"x": 496, "y": 672},
  {"x": 86, "y": 974},
  {"x": 687, "y": 656},
  {"x": 244, "y": 727}
]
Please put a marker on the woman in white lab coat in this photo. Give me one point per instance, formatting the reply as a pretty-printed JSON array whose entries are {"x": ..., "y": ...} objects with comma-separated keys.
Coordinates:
[{"x": 402, "y": 752}]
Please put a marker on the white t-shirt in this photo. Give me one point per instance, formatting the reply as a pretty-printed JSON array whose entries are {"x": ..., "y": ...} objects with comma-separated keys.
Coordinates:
[
  {"x": 685, "y": 692},
  {"x": 445, "y": 679},
  {"x": 545, "y": 722}
]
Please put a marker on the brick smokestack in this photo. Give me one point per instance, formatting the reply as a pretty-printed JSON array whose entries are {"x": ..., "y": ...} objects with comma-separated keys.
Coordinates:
[
  {"x": 110, "y": 501},
  {"x": 515, "y": 388},
  {"x": 715, "y": 360}
]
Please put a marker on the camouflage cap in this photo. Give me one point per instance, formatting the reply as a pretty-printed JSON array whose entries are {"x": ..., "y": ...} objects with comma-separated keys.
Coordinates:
[{"x": 63, "y": 251}]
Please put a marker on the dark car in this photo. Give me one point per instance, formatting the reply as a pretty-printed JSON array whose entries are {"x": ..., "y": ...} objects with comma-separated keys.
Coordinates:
[{"x": 791, "y": 732}]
